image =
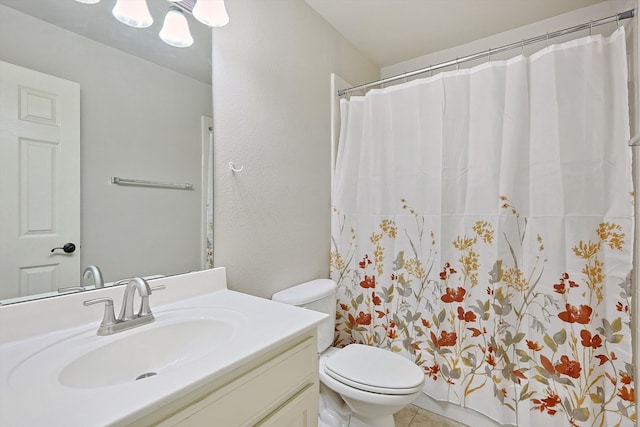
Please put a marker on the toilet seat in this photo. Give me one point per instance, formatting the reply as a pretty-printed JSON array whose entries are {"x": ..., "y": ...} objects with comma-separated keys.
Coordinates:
[{"x": 374, "y": 370}]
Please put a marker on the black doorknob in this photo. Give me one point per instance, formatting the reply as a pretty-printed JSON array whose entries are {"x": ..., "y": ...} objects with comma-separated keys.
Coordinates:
[{"x": 67, "y": 248}]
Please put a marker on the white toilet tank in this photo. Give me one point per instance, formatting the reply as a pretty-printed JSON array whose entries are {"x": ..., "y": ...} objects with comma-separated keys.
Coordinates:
[{"x": 318, "y": 295}]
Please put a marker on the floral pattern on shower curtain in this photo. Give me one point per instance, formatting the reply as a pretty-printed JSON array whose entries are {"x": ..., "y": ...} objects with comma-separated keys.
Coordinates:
[{"x": 483, "y": 226}]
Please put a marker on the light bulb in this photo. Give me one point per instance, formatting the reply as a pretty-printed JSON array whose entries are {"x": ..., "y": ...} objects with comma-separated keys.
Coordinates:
[
  {"x": 175, "y": 29},
  {"x": 88, "y": 1},
  {"x": 134, "y": 13},
  {"x": 211, "y": 12}
]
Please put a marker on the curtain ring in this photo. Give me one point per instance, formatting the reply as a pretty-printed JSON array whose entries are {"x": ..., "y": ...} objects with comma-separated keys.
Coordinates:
[
  {"x": 590, "y": 26},
  {"x": 547, "y": 39},
  {"x": 522, "y": 47},
  {"x": 618, "y": 21},
  {"x": 404, "y": 78},
  {"x": 431, "y": 70},
  {"x": 489, "y": 54},
  {"x": 457, "y": 65}
]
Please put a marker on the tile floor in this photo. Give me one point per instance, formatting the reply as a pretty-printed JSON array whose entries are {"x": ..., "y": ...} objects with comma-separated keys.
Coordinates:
[{"x": 412, "y": 416}]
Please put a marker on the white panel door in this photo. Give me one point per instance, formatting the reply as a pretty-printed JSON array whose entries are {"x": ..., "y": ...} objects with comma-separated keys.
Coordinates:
[{"x": 39, "y": 181}]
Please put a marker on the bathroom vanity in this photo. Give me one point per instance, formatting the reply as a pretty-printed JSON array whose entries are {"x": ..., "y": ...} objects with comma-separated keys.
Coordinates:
[
  {"x": 279, "y": 388},
  {"x": 211, "y": 357}
]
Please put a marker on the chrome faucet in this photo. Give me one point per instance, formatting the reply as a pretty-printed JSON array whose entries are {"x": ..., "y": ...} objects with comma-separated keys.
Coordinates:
[
  {"x": 91, "y": 271},
  {"x": 127, "y": 319},
  {"x": 94, "y": 272},
  {"x": 126, "y": 312}
]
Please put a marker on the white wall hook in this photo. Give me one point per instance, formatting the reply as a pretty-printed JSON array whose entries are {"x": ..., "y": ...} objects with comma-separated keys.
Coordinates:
[{"x": 235, "y": 169}]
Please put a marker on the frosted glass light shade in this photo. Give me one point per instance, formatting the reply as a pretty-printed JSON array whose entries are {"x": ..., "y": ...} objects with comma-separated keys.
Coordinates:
[
  {"x": 211, "y": 12},
  {"x": 88, "y": 1},
  {"x": 175, "y": 29},
  {"x": 134, "y": 13}
]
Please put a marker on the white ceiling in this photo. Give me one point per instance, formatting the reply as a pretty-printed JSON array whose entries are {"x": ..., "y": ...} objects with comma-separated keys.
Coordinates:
[
  {"x": 386, "y": 31},
  {"x": 392, "y": 31}
]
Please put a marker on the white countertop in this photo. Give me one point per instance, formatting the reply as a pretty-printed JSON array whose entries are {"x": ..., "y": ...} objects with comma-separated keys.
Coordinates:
[{"x": 31, "y": 395}]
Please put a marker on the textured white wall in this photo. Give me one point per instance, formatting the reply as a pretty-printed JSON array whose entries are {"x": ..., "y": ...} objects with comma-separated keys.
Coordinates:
[
  {"x": 271, "y": 80},
  {"x": 138, "y": 120}
]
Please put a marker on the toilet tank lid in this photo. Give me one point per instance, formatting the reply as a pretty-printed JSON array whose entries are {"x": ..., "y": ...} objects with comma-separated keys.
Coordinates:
[{"x": 306, "y": 292}]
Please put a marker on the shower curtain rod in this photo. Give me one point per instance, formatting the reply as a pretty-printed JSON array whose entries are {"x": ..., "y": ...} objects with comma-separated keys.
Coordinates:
[{"x": 586, "y": 26}]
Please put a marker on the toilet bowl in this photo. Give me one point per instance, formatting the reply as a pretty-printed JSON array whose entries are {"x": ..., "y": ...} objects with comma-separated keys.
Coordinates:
[
  {"x": 374, "y": 383},
  {"x": 361, "y": 386}
]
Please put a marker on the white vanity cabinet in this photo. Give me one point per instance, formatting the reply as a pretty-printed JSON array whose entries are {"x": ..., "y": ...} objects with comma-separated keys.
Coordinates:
[
  {"x": 221, "y": 359},
  {"x": 277, "y": 389}
]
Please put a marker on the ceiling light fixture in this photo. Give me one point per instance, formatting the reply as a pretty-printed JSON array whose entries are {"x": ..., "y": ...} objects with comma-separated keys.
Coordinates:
[
  {"x": 211, "y": 12},
  {"x": 134, "y": 13},
  {"x": 175, "y": 30}
]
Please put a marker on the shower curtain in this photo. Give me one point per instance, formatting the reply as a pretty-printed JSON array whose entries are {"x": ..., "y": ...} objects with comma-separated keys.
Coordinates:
[
  {"x": 208, "y": 255},
  {"x": 482, "y": 226}
]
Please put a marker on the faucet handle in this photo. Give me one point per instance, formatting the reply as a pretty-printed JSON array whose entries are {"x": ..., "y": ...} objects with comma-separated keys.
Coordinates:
[
  {"x": 109, "y": 317},
  {"x": 106, "y": 300}
]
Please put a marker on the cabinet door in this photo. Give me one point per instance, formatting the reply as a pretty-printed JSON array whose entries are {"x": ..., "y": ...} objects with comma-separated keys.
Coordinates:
[
  {"x": 258, "y": 393},
  {"x": 300, "y": 411}
]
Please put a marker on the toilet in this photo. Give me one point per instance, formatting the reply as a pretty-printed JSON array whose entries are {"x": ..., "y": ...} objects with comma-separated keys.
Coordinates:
[{"x": 360, "y": 386}]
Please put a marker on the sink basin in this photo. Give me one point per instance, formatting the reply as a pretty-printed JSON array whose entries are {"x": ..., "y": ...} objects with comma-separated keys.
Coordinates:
[
  {"x": 146, "y": 353},
  {"x": 175, "y": 339}
]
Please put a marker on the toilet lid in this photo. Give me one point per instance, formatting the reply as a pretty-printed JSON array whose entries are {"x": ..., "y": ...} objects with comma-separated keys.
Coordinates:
[{"x": 374, "y": 369}]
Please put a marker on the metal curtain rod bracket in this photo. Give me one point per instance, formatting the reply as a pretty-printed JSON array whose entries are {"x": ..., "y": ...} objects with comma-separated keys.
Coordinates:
[
  {"x": 126, "y": 181},
  {"x": 586, "y": 26}
]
